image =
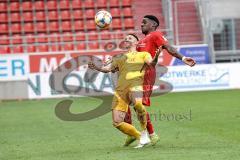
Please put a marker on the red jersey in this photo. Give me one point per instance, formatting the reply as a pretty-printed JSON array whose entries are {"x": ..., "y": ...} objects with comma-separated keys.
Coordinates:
[{"x": 151, "y": 42}]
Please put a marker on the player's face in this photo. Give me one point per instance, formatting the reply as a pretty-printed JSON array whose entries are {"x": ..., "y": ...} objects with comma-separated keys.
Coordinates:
[
  {"x": 146, "y": 25},
  {"x": 130, "y": 38},
  {"x": 129, "y": 41}
]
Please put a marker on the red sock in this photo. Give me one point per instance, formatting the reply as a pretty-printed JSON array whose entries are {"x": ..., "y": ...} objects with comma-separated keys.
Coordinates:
[
  {"x": 149, "y": 125},
  {"x": 128, "y": 117}
]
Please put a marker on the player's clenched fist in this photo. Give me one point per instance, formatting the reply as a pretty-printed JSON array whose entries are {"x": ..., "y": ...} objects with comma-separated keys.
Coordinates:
[
  {"x": 91, "y": 65},
  {"x": 189, "y": 61}
]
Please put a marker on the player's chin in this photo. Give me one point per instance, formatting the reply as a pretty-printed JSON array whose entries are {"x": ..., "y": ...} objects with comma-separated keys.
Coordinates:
[{"x": 144, "y": 31}]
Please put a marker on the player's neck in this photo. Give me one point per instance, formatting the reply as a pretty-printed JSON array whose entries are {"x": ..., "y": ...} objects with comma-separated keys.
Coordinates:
[
  {"x": 149, "y": 32},
  {"x": 132, "y": 49}
]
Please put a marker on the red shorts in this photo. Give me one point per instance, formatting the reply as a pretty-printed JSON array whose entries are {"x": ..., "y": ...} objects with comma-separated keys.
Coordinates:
[{"x": 148, "y": 83}]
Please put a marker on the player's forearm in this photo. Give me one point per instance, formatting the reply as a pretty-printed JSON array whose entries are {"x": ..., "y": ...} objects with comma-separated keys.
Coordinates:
[
  {"x": 155, "y": 59},
  {"x": 103, "y": 69},
  {"x": 171, "y": 50}
]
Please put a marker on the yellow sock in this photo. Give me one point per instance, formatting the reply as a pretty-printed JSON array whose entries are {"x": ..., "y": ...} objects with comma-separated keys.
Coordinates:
[
  {"x": 141, "y": 113},
  {"x": 128, "y": 129}
]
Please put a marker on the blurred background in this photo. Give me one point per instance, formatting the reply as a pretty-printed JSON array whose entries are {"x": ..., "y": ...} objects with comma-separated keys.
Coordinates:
[{"x": 38, "y": 35}]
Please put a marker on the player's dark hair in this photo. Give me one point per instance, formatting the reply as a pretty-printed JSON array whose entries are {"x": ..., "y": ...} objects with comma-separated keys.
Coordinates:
[
  {"x": 134, "y": 35},
  {"x": 152, "y": 17}
]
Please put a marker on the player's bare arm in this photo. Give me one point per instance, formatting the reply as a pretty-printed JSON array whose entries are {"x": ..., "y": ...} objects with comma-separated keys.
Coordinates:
[{"x": 187, "y": 60}]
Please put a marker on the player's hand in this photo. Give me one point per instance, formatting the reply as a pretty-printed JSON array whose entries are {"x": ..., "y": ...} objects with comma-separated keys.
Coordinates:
[
  {"x": 189, "y": 61},
  {"x": 91, "y": 65}
]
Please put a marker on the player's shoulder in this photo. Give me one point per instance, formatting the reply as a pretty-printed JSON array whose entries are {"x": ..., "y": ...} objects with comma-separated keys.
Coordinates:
[
  {"x": 119, "y": 56},
  {"x": 144, "y": 53},
  {"x": 156, "y": 33}
]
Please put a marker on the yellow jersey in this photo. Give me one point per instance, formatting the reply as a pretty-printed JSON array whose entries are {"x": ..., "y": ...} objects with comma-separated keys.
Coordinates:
[{"x": 129, "y": 66}]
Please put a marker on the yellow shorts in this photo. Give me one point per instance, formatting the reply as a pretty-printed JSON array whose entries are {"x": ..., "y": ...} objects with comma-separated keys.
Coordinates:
[{"x": 122, "y": 98}]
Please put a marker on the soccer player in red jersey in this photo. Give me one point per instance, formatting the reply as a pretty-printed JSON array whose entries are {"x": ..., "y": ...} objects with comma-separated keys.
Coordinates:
[{"x": 150, "y": 43}]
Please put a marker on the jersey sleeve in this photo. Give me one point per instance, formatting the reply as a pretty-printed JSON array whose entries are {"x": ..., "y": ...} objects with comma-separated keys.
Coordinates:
[
  {"x": 159, "y": 39},
  {"x": 147, "y": 57},
  {"x": 114, "y": 63}
]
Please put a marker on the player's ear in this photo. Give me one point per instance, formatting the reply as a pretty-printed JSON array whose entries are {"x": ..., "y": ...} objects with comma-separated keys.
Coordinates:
[{"x": 154, "y": 25}]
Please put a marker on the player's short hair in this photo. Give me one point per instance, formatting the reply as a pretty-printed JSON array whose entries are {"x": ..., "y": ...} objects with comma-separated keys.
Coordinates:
[
  {"x": 134, "y": 35},
  {"x": 152, "y": 17}
]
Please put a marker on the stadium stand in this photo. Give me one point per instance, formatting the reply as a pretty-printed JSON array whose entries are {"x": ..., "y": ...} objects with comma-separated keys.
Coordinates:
[
  {"x": 187, "y": 22},
  {"x": 31, "y": 24}
]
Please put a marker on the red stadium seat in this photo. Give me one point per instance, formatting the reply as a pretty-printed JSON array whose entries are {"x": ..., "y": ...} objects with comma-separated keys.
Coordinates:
[
  {"x": 16, "y": 28},
  {"x": 39, "y": 5},
  {"x": 77, "y": 14},
  {"x": 41, "y": 27},
  {"x": 66, "y": 26},
  {"x": 80, "y": 36},
  {"x": 116, "y": 23},
  {"x": 64, "y": 4},
  {"x": 31, "y": 48},
  {"x": 4, "y": 40},
  {"x": 3, "y": 6},
  {"x": 4, "y": 50},
  {"x": 101, "y": 3},
  {"x": 129, "y": 23},
  {"x": 67, "y": 47},
  {"x": 78, "y": 25},
  {"x": 42, "y": 48},
  {"x": 54, "y": 47},
  {"x": 115, "y": 12},
  {"x": 89, "y": 3},
  {"x": 52, "y": 4},
  {"x": 127, "y": 11},
  {"x": 42, "y": 38},
  {"x": 16, "y": 39},
  {"x": 40, "y": 16},
  {"x": 14, "y": 6},
  {"x": 105, "y": 35},
  {"x": 126, "y": 2},
  {"x": 92, "y": 35},
  {"x": 65, "y": 14},
  {"x": 90, "y": 25},
  {"x": 28, "y": 27},
  {"x": 93, "y": 45},
  {"x": 30, "y": 38},
  {"x": 3, "y": 17},
  {"x": 90, "y": 13},
  {"x": 17, "y": 49},
  {"x": 53, "y": 26},
  {"x": 67, "y": 37},
  {"x": 3, "y": 28},
  {"x": 119, "y": 34},
  {"x": 77, "y": 3},
  {"x": 27, "y": 6},
  {"x": 81, "y": 46},
  {"x": 54, "y": 37},
  {"x": 27, "y": 16},
  {"x": 114, "y": 3},
  {"x": 52, "y": 15},
  {"x": 15, "y": 17}
]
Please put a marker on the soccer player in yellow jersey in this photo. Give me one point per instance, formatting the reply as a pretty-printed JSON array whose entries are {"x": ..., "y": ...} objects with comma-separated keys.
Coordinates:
[{"x": 129, "y": 88}]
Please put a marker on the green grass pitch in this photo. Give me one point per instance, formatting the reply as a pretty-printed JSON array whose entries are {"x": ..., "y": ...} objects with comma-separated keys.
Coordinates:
[{"x": 192, "y": 126}]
